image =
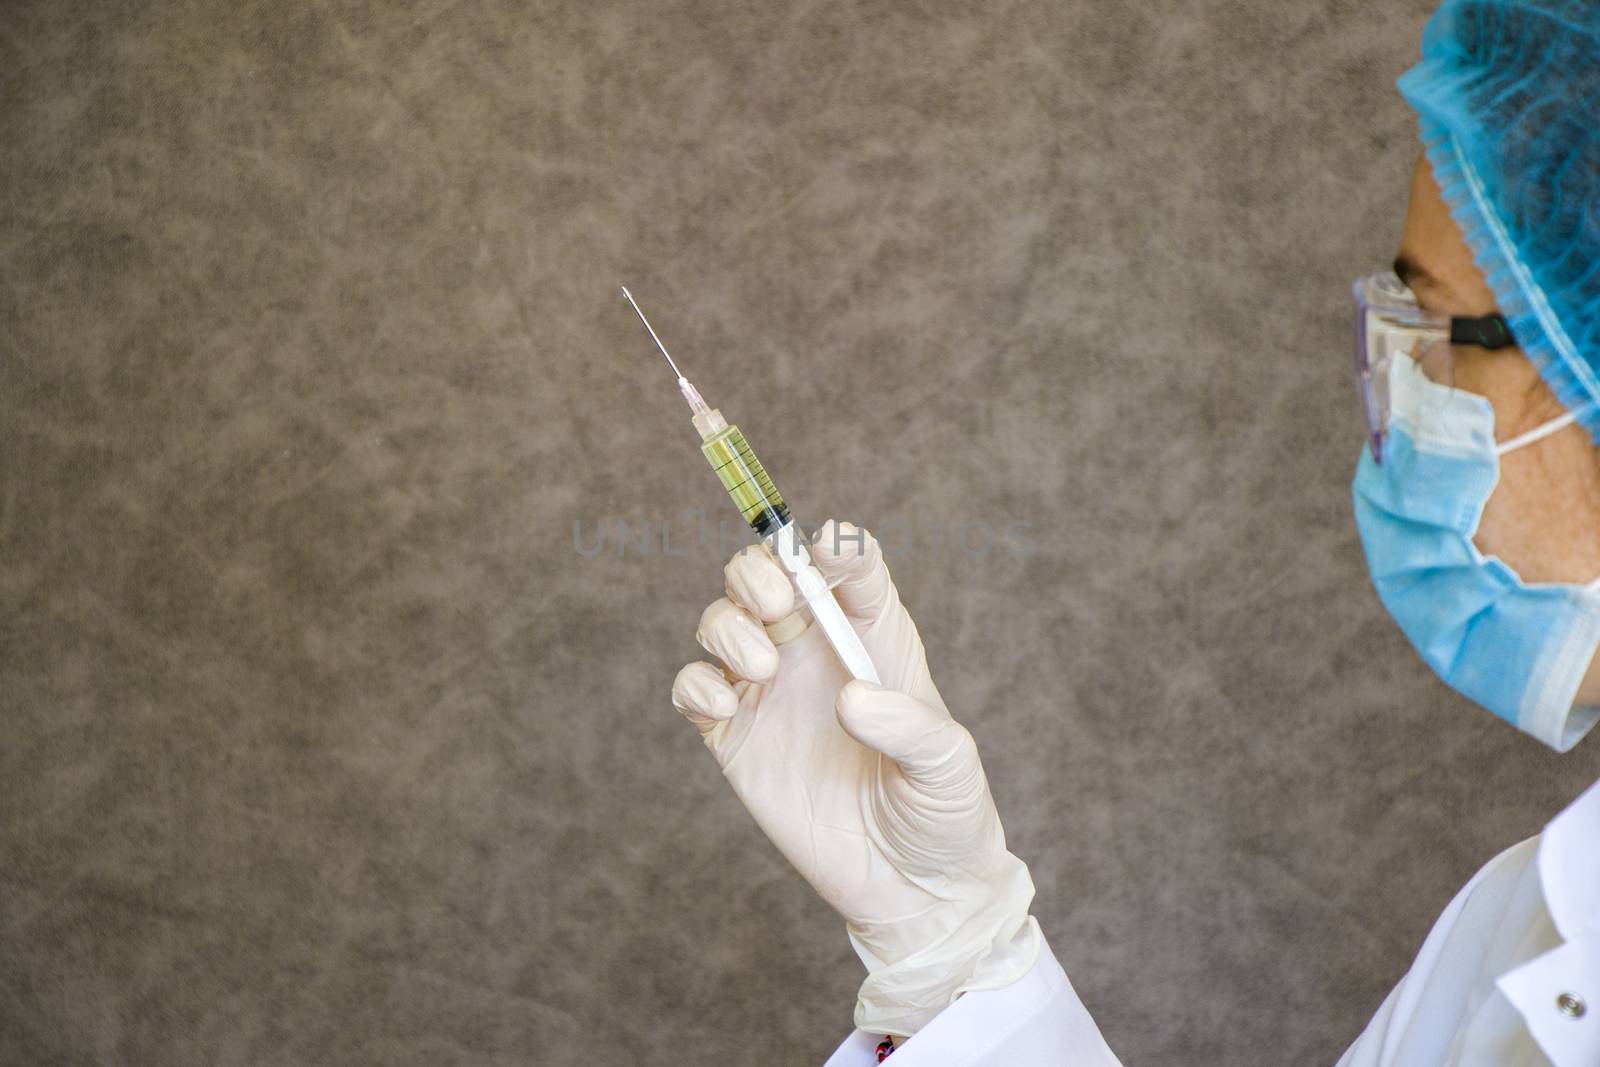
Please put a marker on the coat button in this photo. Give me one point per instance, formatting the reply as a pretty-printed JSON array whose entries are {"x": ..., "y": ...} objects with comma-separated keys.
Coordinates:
[{"x": 1571, "y": 1005}]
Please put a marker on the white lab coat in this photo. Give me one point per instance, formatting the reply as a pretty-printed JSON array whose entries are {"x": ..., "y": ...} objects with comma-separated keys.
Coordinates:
[{"x": 1509, "y": 977}]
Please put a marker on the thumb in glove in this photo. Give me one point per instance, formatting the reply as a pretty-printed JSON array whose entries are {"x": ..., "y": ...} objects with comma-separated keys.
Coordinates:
[{"x": 935, "y": 754}]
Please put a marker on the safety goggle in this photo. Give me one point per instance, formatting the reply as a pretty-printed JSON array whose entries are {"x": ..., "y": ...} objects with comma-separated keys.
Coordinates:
[{"x": 1389, "y": 323}]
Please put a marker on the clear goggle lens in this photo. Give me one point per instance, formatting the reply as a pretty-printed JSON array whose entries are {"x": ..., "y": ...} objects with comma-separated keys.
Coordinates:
[{"x": 1390, "y": 325}]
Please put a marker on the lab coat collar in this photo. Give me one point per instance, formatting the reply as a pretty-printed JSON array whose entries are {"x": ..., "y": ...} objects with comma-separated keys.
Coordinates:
[{"x": 1569, "y": 867}]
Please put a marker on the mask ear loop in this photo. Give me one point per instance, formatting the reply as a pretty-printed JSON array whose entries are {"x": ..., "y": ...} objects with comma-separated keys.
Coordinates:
[{"x": 1539, "y": 433}]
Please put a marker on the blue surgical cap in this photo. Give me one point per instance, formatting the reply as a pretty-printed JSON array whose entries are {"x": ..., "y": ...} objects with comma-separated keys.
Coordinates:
[{"x": 1508, "y": 94}]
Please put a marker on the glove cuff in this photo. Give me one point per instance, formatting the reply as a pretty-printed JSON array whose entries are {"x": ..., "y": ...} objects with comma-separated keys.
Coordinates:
[{"x": 979, "y": 940}]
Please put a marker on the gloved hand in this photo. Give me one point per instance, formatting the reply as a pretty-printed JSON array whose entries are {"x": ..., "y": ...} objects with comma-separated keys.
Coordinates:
[{"x": 875, "y": 794}]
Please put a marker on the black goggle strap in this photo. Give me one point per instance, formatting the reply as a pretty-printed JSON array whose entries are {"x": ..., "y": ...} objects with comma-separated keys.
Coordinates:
[{"x": 1485, "y": 331}]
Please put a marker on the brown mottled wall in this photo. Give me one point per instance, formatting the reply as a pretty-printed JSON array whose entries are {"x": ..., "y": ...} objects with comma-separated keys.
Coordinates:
[{"x": 331, "y": 734}]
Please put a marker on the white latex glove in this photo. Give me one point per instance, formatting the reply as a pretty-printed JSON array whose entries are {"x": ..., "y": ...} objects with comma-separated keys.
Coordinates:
[{"x": 875, "y": 794}]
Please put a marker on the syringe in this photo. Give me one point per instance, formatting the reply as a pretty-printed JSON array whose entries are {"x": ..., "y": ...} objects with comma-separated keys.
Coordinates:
[{"x": 762, "y": 507}]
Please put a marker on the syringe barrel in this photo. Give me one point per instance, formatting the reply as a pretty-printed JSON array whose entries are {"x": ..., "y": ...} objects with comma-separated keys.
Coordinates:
[{"x": 746, "y": 481}]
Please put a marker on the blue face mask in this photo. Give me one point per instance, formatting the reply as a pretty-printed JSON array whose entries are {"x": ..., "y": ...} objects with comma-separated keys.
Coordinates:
[{"x": 1519, "y": 650}]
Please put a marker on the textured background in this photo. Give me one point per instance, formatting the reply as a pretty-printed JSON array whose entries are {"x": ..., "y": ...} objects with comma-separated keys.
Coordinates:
[{"x": 334, "y": 732}]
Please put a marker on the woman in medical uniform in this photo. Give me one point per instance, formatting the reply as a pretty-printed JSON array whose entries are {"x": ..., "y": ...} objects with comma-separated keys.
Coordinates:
[{"x": 1477, "y": 501}]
